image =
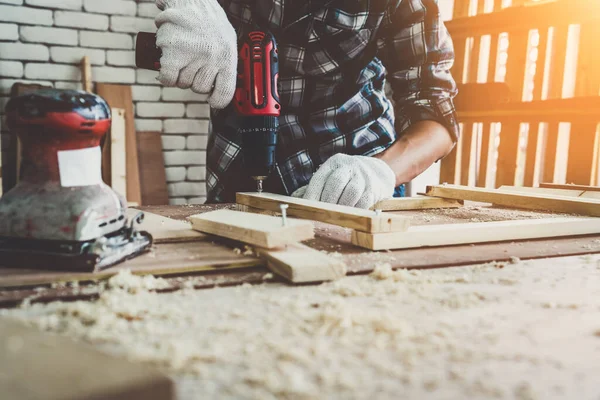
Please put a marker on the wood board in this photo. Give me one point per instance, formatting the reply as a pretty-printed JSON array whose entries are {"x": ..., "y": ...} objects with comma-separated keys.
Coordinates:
[
  {"x": 118, "y": 167},
  {"x": 531, "y": 201},
  {"x": 570, "y": 187},
  {"x": 415, "y": 203},
  {"x": 119, "y": 96},
  {"x": 153, "y": 177},
  {"x": 349, "y": 217},
  {"x": 166, "y": 230},
  {"x": 164, "y": 259},
  {"x": 299, "y": 263},
  {"x": 255, "y": 229},
  {"x": 38, "y": 365},
  {"x": 477, "y": 232}
]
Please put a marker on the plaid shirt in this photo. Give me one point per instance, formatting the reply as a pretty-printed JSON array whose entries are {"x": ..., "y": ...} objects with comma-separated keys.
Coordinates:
[{"x": 333, "y": 57}]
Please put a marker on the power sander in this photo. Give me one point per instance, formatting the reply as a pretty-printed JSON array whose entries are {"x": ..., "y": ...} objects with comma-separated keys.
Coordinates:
[
  {"x": 256, "y": 98},
  {"x": 61, "y": 215}
]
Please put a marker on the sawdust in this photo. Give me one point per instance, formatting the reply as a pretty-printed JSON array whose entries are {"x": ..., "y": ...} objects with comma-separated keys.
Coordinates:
[{"x": 443, "y": 334}]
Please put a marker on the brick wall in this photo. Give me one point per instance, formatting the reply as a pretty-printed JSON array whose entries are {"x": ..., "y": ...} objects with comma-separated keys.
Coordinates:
[{"x": 43, "y": 41}]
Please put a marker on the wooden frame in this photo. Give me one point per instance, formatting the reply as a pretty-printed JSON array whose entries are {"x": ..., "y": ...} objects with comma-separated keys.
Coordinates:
[
  {"x": 349, "y": 217},
  {"x": 547, "y": 94},
  {"x": 118, "y": 151}
]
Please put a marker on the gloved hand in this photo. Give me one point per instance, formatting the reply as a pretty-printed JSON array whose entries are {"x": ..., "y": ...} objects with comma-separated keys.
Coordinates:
[
  {"x": 199, "y": 48},
  {"x": 355, "y": 181}
]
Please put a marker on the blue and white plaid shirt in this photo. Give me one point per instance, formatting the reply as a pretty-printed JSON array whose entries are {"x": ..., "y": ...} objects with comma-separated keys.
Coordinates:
[{"x": 333, "y": 57}]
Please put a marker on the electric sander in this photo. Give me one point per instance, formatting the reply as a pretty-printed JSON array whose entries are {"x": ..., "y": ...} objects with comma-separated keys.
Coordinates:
[
  {"x": 61, "y": 215},
  {"x": 256, "y": 98}
]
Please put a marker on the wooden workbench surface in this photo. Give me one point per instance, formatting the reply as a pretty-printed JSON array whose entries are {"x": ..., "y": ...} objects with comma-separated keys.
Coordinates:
[{"x": 331, "y": 239}]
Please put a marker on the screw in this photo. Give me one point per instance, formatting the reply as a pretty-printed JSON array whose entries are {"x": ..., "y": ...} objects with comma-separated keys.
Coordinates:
[{"x": 284, "y": 208}]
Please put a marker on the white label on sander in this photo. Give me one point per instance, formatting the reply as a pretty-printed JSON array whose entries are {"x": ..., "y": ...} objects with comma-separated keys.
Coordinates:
[{"x": 80, "y": 167}]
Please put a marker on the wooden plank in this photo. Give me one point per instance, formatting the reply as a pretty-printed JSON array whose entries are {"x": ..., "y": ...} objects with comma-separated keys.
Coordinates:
[
  {"x": 582, "y": 159},
  {"x": 479, "y": 232},
  {"x": 508, "y": 150},
  {"x": 86, "y": 74},
  {"x": 119, "y": 96},
  {"x": 300, "y": 264},
  {"x": 165, "y": 230},
  {"x": 518, "y": 200},
  {"x": 118, "y": 170},
  {"x": 543, "y": 191},
  {"x": 39, "y": 365},
  {"x": 349, "y": 217},
  {"x": 153, "y": 178},
  {"x": 165, "y": 259},
  {"x": 570, "y": 187},
  {"x": 532, "y": 160},
  {"x": 467, "y": 138},
  {"x": 258, "y": 230},
  {"x": 590, "y": 195},
  {"x": 584, "y": 140},
  {"x": 415, "y": 203}
]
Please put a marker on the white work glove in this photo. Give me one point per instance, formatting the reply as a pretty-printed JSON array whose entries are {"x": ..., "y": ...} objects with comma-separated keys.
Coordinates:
[
  {"x": 355, "y": 181},
  {"x": 199, "y": 48}
]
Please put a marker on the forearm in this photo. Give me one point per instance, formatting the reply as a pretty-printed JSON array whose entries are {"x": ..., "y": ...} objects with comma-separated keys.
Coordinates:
[{"x": 421, "y": 145}]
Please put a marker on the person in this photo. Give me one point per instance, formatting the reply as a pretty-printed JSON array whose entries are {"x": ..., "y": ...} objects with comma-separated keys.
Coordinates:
[{"x": 341, "y": 139}]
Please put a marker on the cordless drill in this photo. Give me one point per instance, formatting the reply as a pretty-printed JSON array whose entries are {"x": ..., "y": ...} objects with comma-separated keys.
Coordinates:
[{"x": 256, "y": 98}]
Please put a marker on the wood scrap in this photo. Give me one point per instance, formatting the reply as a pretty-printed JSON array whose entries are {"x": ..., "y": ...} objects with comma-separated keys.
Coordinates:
[
  {"x": 477, "y": 232},
  {"x": 153, "y": 177},
  {"x": 118, "y": 167},
  {"x": 415, "y": 203},
  {"x": 549, "y": 191},
  {"x": 531, "y": 201},
  {"x": 570, "y": 187},
  {"x": 255, "y": 229},
  {"x": 166, "y": 230},
  {"x": 86, "y": 74},
  {"x": 349, "y": 217},
  {"x": 299, "y": 264},
  {"x": 119, "y": 96},
  {"x": 38, "y": 365}
]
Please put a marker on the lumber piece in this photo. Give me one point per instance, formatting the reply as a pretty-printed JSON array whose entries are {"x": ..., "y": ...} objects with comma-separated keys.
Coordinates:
[
  {"x": 166, "y": 230},
  {"x": 348, "y": 217},
  {"x": 478, "y": 232},
  {"x": 551, "y": 192},
  {"x": 415, "y": 203},
  {"x": 120, "y": 96},
  {"x": 570, "y": 187},
  {"x": 258, "y": 230},
  {"x": 164, "y": 260},
  {"x": 118, "y": 166},
  {"x": 153, "y": 177},
  {"x": 38, "y": 365},
  {"x": 86, "y": 74},
  {"x": 299, "y": 264},
  {"x": 530, "y": 201}
]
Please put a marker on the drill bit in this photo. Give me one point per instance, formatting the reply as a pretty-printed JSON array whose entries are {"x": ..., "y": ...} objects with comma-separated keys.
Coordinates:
[{"x": 259, "y": 186}]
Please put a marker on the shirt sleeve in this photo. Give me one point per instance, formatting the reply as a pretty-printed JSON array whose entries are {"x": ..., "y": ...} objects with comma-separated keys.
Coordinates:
[{"x": 416, "y": 49}]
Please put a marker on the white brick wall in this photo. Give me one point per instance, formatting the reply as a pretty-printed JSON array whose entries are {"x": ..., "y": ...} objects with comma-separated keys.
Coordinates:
[{"x": 43, "y": 41}]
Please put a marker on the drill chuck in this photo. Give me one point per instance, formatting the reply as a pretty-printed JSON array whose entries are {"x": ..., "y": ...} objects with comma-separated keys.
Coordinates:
[{"x": 259, "y": 140}]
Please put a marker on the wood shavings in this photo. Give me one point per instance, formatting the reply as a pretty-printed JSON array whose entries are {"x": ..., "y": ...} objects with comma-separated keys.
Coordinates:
[
  {"x": 134, "y": 283},
  {"x": 444, "y": 333}
]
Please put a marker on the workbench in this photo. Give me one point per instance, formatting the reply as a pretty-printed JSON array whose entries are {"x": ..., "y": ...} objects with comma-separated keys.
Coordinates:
[{"x": 221, "y": 262}]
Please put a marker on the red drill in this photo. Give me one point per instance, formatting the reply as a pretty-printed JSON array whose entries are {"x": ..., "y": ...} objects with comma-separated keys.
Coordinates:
[{"x": 256, "y": 98}]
